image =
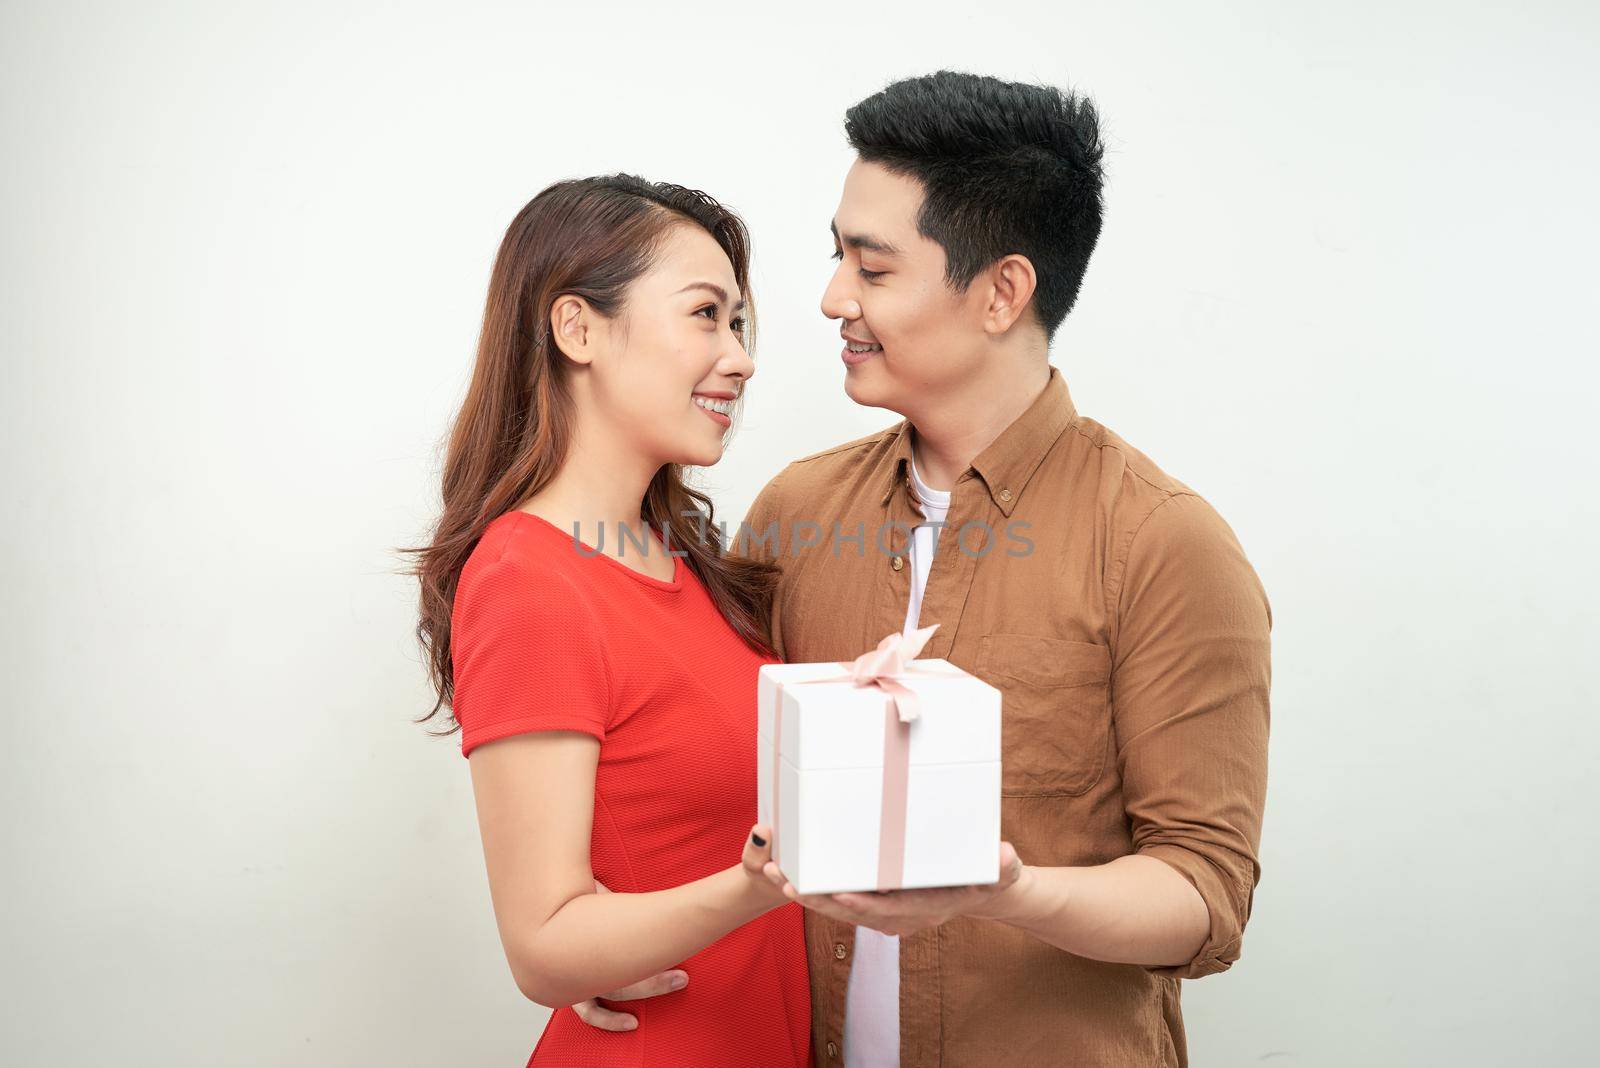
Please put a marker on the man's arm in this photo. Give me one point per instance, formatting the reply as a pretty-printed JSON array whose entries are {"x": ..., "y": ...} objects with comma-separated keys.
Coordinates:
[
  {"x": 759, "y": 537},
  {"x": 1190, "y": 681}
]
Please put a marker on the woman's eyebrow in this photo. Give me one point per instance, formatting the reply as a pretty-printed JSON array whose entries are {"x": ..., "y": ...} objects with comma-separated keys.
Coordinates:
[{"x": 722, "y": 294}]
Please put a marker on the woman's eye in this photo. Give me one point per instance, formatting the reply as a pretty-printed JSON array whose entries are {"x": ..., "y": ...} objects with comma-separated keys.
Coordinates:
[{"x": 736, "y": 325}]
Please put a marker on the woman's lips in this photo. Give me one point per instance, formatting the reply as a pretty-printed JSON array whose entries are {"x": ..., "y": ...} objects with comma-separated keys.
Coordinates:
[{"x": 718, "y": 416}]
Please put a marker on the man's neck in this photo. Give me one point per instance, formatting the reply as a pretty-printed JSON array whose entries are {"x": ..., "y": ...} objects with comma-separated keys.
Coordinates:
[{"x": 947, "y": 439}]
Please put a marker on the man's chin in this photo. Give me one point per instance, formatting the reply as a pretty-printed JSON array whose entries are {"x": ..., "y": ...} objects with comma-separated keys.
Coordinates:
[{"x": 867, "y": 385}]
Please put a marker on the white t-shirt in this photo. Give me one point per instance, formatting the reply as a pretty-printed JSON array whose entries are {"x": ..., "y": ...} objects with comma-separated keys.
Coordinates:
[{"x": 872, "y": 998}]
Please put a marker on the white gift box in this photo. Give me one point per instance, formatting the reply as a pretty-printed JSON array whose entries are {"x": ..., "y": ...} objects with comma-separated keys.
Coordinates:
[{"x": 821, "y": 757}]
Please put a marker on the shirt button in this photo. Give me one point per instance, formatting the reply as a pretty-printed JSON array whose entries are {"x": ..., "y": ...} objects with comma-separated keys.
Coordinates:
[
  {"x": 896, "y": 563},
  {"x": 839, "y": 950},
  {"x": 1005, "y": 495},
  {"x": 833, "y": 1050}
]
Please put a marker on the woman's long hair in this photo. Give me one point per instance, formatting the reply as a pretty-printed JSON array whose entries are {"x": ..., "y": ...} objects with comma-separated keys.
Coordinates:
[{"x": 592, "y": 238}]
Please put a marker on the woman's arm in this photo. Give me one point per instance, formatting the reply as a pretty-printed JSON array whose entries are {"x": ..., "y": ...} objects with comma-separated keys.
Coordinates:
[
  {"x": 591, "y": 1012},
  {"x": 565, "y": 942}
]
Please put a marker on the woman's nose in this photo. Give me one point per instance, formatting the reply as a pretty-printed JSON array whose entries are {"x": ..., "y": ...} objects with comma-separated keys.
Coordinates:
[{"x": 738, "y": 364}]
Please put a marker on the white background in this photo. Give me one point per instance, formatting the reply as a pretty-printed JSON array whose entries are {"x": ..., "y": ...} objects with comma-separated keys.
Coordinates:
[{"x": 1345, "y": 290}]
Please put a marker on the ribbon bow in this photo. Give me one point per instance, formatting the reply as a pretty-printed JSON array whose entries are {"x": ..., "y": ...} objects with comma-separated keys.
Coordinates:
[
  {"x": 883, "y": 667},
  {"x": 890, "y": 657}
]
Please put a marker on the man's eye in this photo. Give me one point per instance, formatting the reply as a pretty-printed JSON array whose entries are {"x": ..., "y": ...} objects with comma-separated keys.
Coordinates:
[
  {"x": 838, "y": 254},
  {"x": 869, "y": 275}
]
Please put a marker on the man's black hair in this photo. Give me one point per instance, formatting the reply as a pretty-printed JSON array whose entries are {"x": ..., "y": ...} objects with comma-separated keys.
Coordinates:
[{"x": 1006, "y": 167}]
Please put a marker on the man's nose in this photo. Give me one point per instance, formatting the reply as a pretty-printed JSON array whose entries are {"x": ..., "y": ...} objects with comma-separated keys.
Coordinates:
[{"x": 837, "y": 303}]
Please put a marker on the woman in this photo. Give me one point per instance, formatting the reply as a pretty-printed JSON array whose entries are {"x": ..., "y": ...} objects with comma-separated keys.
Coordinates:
[{"x": 598, "y": 647}]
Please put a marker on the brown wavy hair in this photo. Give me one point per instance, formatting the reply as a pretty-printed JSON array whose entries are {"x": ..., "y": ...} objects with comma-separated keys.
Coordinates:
[{"x": 592, "y": 238}]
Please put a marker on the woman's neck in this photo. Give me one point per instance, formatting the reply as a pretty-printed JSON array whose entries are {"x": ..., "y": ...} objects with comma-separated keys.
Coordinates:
[{"x": 598, "y": 493}]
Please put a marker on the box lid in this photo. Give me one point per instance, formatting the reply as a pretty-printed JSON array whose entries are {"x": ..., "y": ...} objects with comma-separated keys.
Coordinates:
[{"x": 841, "y": 725}]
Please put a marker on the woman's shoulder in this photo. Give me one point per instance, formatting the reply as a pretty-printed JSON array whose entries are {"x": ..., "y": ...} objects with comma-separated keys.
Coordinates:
[
  {"x": 517, "y": 543},
  {"x": 517, "y": 566}
]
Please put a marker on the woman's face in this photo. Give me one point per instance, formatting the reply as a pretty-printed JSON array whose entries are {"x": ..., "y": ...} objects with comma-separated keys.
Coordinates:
[{"x": 667, "y": 370}]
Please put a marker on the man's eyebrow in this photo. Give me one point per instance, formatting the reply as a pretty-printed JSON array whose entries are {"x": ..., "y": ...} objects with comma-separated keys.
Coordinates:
[
  {"x": 866, "y": 241},
  {"x": 722, "y": 294}
]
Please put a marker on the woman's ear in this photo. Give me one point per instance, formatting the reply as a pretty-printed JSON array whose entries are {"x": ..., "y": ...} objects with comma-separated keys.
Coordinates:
[{"x": 572, "y": 324}]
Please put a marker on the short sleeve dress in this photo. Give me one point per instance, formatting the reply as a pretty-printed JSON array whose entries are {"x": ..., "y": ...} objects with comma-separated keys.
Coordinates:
[{"x": 547, "y": 634}]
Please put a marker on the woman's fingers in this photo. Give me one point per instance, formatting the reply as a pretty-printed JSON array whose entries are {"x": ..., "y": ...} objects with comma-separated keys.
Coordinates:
[
  {"x": 660, "y": 983},
  {"x": 594, "y": 1014},
  {"x": 758, "y": 848}
]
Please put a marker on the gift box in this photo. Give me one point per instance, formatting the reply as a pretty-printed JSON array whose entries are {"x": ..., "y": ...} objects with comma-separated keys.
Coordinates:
[{"x": 882, "y": 773}]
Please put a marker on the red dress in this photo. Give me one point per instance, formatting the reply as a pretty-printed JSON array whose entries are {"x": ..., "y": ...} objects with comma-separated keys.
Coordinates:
[{"x": 545, "y": 637}]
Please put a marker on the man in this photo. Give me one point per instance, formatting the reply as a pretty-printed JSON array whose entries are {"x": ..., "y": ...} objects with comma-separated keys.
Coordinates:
[{"x": 1110, "y": 604}]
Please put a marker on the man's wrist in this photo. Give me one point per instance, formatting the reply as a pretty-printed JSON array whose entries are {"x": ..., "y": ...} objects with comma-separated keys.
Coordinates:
[{"x": 1014, "y": 903}]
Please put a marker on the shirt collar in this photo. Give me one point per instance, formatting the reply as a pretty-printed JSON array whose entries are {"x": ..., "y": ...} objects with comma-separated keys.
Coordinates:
[{"x": 1010, "y": 459}]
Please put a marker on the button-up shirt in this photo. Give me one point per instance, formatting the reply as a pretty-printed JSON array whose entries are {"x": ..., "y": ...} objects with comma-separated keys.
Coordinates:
[{"x": 1129, "y": 636}]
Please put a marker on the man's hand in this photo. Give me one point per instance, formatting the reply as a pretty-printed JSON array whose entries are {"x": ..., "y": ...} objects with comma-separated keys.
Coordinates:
[
  {"x": 905, "y": 912},
  {"x": 595, "y": 1014}
]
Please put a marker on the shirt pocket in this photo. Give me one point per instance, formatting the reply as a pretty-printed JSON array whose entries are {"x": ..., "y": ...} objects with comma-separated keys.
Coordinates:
[{"x": 1055, "y": 720}]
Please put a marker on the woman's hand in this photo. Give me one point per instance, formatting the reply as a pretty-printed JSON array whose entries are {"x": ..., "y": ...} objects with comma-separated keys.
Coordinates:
[
  {"x": 763, "y": 890},
  {"x": 757, "y": 858},
  {"x": 595, "y": 1014}
]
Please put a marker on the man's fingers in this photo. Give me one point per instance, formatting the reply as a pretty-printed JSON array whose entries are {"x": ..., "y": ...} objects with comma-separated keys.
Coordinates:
[
  {"x": 594, "y": 1014},
  {"x": 827, "y": 906},
  {"x": 1010, "y": 866},
  {"x": 660, "y": 983}
]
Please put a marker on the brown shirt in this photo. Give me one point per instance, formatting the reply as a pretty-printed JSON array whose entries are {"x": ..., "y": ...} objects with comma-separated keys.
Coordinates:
[{"x": 1116, "y": 612}]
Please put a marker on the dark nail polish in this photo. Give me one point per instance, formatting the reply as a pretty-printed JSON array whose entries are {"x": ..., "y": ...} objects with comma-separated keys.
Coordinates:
[{"x": 757, "y": 839}]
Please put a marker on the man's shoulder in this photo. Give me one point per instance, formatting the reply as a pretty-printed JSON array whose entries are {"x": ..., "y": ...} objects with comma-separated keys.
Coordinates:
[
  {"x": 1145, "y": 482},
  {"x": 1151, "y": 508},
  {"x": 828, "y": 471}
]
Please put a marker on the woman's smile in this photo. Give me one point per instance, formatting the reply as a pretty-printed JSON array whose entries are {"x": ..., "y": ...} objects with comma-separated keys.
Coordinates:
[{"x": 718, "y": 406}]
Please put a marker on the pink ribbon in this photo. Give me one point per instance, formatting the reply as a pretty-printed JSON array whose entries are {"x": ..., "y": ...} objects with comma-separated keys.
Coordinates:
[{"x": 882, "y": 667}]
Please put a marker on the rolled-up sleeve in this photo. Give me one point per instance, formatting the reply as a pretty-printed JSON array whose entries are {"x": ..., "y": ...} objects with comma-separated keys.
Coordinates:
[{"x": 1190, "y": 685}]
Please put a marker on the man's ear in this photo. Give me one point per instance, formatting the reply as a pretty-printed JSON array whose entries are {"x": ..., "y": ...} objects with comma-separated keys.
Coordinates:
[
  {"x": 1012, "y": 282},
  {"x": 572, "y": 327}
]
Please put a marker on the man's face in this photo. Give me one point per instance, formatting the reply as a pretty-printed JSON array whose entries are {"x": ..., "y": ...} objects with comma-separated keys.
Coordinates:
[{"x": 889, "y": 293}]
